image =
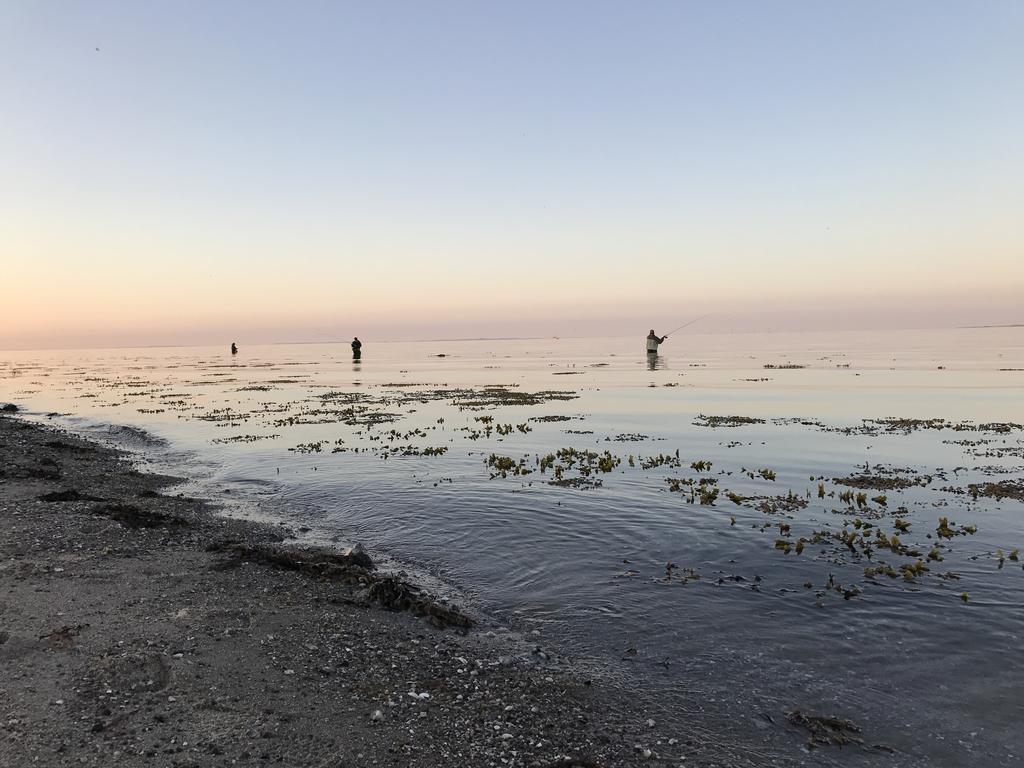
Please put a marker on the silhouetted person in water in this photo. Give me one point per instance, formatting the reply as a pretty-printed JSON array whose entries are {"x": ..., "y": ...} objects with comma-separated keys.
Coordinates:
[
  {"x": 653, "y": 340},
  {"x": 357, "y": 348},
  {"x": 234, "y": 348}
]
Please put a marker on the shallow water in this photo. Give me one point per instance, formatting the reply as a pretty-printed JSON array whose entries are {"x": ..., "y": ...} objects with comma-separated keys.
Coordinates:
[{"x": 730, "y": 630}]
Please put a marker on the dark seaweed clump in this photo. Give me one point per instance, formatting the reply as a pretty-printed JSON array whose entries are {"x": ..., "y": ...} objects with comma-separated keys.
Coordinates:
[
  {"x": 882, "y": 482},
  {"x": 1004, "y": 489},
  {"x": 725, "y": 421}
]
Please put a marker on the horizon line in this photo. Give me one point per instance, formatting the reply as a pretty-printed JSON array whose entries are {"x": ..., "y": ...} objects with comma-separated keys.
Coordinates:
[{"x": 510, "y": 338}]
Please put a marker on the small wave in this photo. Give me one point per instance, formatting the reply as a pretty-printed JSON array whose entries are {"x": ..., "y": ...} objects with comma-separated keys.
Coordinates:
[{"x": 130, "y": 436}]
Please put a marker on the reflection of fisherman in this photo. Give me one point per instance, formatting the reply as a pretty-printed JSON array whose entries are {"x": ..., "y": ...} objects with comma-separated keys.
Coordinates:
[
  {"x": 653, "y": 340},
  {"x": 234, "y": 348},
  {"x": 357, "y": 347}
]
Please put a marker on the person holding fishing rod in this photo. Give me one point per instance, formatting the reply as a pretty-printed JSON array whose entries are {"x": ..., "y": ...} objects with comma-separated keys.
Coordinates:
[{"x": 653, "y": 339}]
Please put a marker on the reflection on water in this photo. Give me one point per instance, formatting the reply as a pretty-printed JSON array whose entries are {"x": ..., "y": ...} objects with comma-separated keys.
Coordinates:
[{"x": 778, "y": 553}]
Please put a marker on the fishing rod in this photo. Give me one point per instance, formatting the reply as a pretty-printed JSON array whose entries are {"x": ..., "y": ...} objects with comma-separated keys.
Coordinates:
[{"x": 689, "y": 323}]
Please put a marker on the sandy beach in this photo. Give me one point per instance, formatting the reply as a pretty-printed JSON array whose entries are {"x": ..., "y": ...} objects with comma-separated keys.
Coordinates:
[{"x": 137, "y": 627}]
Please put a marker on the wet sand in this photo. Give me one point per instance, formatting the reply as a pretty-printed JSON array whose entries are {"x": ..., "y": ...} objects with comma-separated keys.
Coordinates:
[{"x": 137, "y": 627}]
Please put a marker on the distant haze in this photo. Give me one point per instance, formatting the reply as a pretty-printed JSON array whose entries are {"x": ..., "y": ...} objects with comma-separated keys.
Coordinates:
[{"x": 253, "y": 172}]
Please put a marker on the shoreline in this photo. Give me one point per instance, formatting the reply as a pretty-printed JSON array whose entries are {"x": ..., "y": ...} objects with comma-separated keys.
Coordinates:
[{"x": 140, "y": 627}]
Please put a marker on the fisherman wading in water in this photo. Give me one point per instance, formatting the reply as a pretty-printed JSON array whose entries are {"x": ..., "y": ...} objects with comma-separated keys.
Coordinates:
[{"x": 653, "y": 340}]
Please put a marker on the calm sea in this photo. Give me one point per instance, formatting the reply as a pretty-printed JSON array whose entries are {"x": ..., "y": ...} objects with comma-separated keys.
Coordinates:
[{"x": 745, "y": 525}]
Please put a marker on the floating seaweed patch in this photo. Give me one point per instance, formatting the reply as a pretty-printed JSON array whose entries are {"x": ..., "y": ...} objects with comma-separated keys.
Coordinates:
[
  {"x": 411, "y": 450},
  {"x": 894, "y": 424},
  {"x": 245, "y": 438},
  {"x": 805, "y": 422},
  {"x": 676, "y": 484},
  {"x": 223, "y": 415},
  {"x": 912, "y": 570},
  {"x": 883, "y": 482},
  {"x": 630, "y": 437},
  {"x": 504, "y": 465},
  {"x": 790, "y": 502},
  {"x": 583, "y": 483},
  {"x": 661, "y": 460},
  {"x": 1004, "y": 489},
  {"x": 315, "y": 447},
  {"x": 725, "y": 421},
  {"x": 998, "y": 427},
  {"x": 681, "y": 575},
  {"x": 490, "y": 397},
  {"x": 947, "y": 530},
  {"x": 704, "y": 490},
  {"x": 706, "y": 494},
  {"x": 587, "y": 461}
]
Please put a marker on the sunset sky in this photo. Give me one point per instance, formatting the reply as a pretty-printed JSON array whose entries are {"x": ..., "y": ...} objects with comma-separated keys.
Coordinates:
[{"x": 301, "y": 171}]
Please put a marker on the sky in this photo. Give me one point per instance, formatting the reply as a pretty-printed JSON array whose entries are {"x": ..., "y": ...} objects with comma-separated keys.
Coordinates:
[{"x": 194, "y": 172}]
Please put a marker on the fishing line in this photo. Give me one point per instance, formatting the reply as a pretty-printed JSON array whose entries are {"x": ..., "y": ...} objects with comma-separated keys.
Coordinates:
[{"x": 689, "y": 323}]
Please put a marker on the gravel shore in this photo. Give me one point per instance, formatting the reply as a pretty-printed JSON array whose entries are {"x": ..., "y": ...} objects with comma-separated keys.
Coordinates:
[{"x": 137, "y": 627}]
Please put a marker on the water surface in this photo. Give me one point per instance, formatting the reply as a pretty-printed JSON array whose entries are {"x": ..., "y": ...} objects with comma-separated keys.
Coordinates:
[{"x": 704, "y": 608}]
